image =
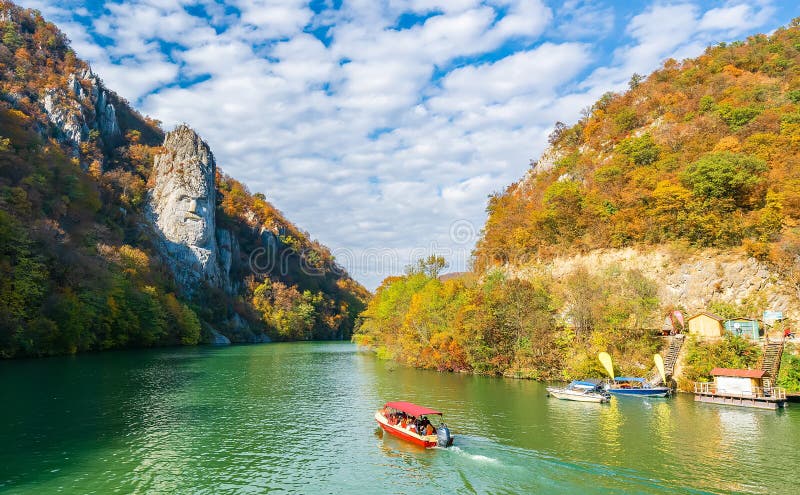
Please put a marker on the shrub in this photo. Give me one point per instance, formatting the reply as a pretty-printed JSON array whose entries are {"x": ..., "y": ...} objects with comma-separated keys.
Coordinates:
[
  {"x": 641, "y": 151},
  {"x": 725, "y": 175}
]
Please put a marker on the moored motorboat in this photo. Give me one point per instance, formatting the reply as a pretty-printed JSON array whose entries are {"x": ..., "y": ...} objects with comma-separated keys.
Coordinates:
[
  {"x": 581, "y": 391},
  {"x": 635, "y": 387},
  {"x": 410, "y": 422}
]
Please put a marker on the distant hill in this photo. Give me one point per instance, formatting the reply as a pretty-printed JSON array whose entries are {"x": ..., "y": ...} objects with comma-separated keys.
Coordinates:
[
  {"x": 703, "y": 153},
  {"x": 97, "y": 249}
]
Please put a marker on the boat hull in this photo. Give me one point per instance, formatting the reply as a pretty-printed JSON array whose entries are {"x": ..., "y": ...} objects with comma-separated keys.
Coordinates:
[
  {"x": 578, "y": 397},
  {"x": 427, "y": 441},
  {"x": 640, "y": 392}
]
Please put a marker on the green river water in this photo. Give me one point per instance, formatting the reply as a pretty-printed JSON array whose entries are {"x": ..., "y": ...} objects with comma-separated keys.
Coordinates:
[{"x": 298, "y": 418}]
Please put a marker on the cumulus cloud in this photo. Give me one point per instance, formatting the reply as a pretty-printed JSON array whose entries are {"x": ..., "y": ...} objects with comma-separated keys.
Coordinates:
[{"x": 381, "y": 127}]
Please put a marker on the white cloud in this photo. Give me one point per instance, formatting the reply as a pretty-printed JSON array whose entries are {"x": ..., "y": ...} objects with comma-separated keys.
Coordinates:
[
  {"x": 275, "y": 19},
  {"x": 736, "y": 18}
]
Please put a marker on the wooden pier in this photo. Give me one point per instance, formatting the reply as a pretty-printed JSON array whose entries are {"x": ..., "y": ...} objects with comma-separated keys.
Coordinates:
[{"x": 759, "y": 397}]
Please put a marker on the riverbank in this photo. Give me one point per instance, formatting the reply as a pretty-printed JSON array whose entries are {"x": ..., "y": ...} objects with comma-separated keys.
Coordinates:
[{"x": 541, "y": 329}]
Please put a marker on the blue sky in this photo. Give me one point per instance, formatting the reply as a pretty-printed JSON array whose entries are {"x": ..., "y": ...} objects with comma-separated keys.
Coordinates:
[{"x": 381, "y": 126}]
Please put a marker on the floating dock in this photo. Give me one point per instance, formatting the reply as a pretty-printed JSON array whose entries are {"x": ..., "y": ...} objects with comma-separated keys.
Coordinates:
[{"x": 773, "y": 398}]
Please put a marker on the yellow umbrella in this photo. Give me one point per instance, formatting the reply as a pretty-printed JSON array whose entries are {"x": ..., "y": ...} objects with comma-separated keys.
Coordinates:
[
  {"x": 605, "y": 360},
  {"x": 660, "y": 367}
]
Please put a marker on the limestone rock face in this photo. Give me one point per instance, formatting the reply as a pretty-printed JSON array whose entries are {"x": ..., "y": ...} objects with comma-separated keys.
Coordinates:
[
  {"x": 691, "y": 280},
  {"x": 181, "y": 208},
  {"x": 74, "y": 111},
  {"x": 228, "y": 258},
  {"x": 66, "y": 114},
  {"x": 546, "y": 162}
]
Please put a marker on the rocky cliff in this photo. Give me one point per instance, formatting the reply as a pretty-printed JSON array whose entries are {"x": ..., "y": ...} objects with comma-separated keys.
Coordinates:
[
  {"x": 685, "y": 279},
  {"x": 181, "y": 207},
  {"x": 82, "y": 106}
]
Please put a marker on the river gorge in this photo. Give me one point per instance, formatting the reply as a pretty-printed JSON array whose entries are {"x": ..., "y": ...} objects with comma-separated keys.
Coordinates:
[{"x": 298, "y": 418}]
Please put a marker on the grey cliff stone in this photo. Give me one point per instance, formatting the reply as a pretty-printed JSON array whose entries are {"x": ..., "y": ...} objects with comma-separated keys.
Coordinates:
[
  {"x": 181, "y": 207},
  {"x": 74, "y": 113}
]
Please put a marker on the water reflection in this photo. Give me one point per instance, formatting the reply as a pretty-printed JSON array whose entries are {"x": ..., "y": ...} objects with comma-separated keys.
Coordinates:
[{"x": 611, "y": 424}]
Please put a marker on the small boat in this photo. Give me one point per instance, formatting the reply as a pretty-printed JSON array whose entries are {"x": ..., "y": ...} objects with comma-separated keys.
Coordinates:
[
  {"x": 635, "y": 387},
  {"x": 410, "y": 422},
  {"x": 581, "y": 391}
]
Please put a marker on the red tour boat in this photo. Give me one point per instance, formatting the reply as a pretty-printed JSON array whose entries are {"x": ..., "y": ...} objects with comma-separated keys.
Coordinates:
[{"x": 411, "y": 423}]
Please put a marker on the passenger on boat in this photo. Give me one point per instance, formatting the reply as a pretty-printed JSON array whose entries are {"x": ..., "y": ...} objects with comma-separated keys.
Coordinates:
[
  {"x": 430, "y": 430},
  {"x": 424, "y": 423}
]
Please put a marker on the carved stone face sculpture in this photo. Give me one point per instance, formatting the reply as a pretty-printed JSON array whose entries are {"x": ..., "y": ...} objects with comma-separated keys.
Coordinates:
[
  {"x": 182, "y": 198},
  {"x": 190, "y": 215}
]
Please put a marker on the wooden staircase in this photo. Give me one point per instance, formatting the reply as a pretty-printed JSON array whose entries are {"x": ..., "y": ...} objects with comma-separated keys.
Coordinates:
[
  {"x": 771, "y": 362},
  {"x": 674, "y": 350},
  {"x": 670, "y": 360}
]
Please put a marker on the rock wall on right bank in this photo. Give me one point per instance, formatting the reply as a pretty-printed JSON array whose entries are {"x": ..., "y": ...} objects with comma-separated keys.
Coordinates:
[{"x": 686, "y": 279}]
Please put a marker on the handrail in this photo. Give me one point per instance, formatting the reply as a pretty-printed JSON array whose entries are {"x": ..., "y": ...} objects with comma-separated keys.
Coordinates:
[{"x": 771, "y": 393}]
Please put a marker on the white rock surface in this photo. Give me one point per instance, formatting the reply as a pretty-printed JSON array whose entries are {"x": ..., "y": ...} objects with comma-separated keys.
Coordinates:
[
  {"x": 690, "y": 280},
  {"x": 74, "y": 112},
  {"x": 181, "y": 207}
]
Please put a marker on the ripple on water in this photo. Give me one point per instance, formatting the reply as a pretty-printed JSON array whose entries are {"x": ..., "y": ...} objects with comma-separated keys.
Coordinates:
[{"x": 297, "y": 418}]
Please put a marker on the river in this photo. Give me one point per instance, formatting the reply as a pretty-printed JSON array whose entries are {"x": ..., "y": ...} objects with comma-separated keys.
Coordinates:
[{"x": 297, "y": 418}]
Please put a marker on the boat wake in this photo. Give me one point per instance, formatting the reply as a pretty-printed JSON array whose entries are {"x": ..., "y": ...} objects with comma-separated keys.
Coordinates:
[
  {"x": 474, "y": 457},
  {"x": 484, "y": 465}
]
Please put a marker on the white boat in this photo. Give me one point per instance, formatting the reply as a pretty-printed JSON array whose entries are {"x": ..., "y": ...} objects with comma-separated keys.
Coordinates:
[{"x": 581, "y": 391}]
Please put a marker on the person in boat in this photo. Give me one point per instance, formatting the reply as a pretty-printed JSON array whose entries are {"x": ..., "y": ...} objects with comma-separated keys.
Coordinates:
[
  {"x": 429, "y": 429},
  {"x": 423, "y": 424}
]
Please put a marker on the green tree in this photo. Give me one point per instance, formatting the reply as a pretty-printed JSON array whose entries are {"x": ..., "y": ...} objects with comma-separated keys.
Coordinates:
[
  {"x": 430, "y": 266},
  {"x": 641, "y": 150},
  {"x": 725, "y": 176},
  {"x": 11, "y": 37}
]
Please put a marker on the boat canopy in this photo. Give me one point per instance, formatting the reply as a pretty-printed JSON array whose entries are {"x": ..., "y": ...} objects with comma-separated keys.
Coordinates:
[
  {"x": 628, "y": 379},
  {"x": 584, "y": 383},
  {"x": 412, "y": 409}
]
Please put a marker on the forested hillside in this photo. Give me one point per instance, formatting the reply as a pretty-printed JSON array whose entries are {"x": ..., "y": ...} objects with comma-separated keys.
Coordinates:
[
  {"x": 78, "y": 265},
  {"x": 704, "y": 152},
  {"x": 700, "y": 154}
]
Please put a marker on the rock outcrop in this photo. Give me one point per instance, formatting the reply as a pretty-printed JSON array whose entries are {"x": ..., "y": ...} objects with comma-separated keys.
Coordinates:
[
  {"x": 181, "y": 208},
  {"x": 689, "y": 280},
  {"x": 75, "y": 112}
]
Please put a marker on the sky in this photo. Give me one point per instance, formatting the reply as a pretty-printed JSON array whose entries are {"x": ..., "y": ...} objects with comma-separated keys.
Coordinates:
[{"x": 381, "y": 126}]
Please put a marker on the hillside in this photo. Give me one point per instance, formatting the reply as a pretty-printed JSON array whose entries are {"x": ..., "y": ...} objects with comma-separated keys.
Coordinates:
[
  {"x": 99, "y": 251},
  {"x": 680, "y": 193},
  {"x": 703, "y": 152}
]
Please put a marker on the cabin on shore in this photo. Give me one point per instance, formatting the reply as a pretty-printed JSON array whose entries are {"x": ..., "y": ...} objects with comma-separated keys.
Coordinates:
[
  {"x": 748, "y": 328},
  {"x": 706, "y": 325},
  {"x": 740, "y": 387}
]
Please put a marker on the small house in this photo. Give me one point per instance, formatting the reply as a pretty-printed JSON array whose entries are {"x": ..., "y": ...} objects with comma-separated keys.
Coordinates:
[
  {"x": 706, "y": 325},
  {"x": 737, "y": 387},
  {"x": 736, "y": 382},
  {"x": 743, "y": 327}
]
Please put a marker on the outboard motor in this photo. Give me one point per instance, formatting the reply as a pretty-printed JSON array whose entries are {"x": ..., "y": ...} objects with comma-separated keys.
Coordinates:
[{"x": 443, "y": 438}]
